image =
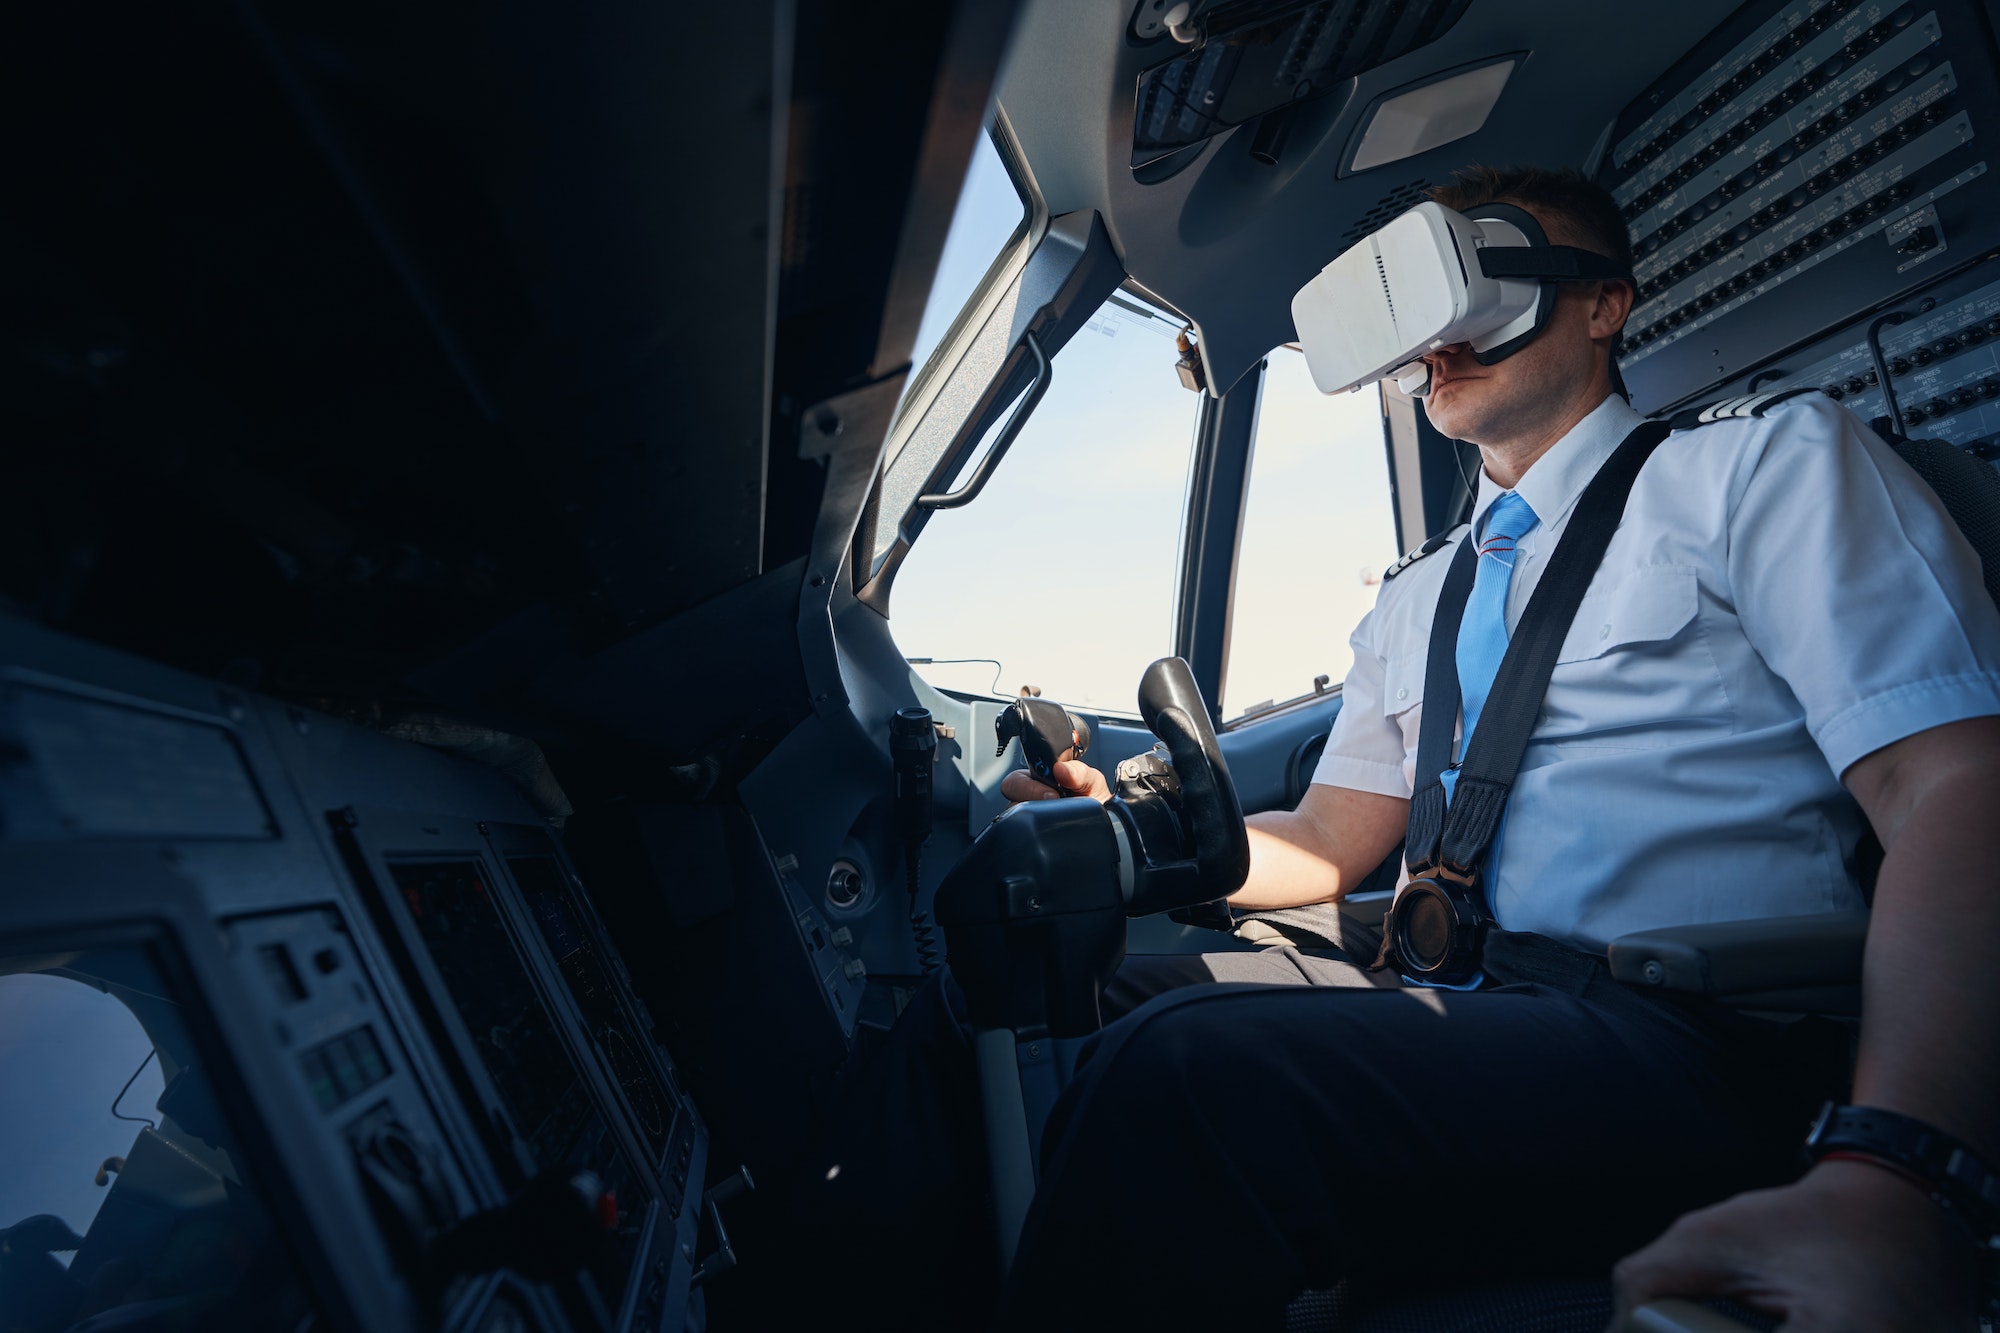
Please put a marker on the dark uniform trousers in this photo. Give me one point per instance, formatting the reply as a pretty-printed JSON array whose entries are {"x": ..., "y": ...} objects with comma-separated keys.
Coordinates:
[{"x": 1226, "y": 1146}]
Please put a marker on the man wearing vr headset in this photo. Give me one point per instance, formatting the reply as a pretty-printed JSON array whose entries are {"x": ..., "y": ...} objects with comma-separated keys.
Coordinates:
[{"x": 1787, "y": 643}]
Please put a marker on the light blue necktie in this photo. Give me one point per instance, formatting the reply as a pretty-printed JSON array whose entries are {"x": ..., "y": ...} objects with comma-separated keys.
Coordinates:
[{"x": 1482, "y": 634}]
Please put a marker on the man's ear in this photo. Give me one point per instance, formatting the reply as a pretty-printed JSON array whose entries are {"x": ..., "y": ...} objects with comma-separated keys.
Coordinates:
[{"x": 1609, "y": 311}]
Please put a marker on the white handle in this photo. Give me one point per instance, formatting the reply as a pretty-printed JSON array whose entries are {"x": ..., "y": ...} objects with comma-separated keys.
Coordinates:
[{"x": 1680, "y": 1317}]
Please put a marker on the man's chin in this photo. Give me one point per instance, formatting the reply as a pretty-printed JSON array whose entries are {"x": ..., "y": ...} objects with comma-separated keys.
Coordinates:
[
  {"x": 1449, "y": 412},
  {"x": 1453, "y": 407}
]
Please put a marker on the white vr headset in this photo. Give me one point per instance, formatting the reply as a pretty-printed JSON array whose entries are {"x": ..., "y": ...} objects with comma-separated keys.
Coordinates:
[{"x": 1431, "y": 278}]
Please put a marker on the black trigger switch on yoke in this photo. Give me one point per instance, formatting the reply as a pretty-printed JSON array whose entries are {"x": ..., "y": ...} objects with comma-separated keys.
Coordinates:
[{"x": 1048, "y": 732}]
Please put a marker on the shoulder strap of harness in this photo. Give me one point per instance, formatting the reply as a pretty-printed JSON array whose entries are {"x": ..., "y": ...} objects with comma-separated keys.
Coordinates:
[
  {"x": 1458, "y": 836},
  {"x": 1747, "y": 405}
]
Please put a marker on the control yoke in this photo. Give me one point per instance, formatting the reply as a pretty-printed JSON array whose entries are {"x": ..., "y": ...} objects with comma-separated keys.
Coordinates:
[
  {"x": 1214, "y": 839},
  {"x": 1034, "y": 911}
]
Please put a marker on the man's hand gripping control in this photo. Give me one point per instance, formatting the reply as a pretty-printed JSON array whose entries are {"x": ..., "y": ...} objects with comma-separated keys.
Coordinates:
[{"x": 1053, "y": 742}]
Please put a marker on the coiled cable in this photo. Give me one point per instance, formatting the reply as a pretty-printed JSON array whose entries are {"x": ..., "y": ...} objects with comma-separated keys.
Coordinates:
[{"x": 923, "y": 930}]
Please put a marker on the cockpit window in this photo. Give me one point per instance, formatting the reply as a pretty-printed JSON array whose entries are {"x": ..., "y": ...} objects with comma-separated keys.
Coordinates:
[
  {"x": 124, "y": 1189},
  {"x": 1025, "y": 587},
  {"x": 1318, "y": 530},
  {"x": 68, "y": 1050}
]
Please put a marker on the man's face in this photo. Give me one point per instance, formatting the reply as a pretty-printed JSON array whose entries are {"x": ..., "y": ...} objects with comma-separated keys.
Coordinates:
[{"x": 1513, "y": 398}]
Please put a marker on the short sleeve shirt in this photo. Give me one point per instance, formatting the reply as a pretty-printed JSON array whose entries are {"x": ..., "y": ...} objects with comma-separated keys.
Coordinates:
[{"x": 1783, "y": 597}]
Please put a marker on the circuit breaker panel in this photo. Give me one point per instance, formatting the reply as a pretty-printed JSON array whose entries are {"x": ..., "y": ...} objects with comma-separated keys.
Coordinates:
[{"x": 1807, "y": 163}]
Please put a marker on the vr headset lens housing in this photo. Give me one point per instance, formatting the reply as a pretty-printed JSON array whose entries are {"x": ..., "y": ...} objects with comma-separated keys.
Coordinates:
[{"x": 1430, "y": 278}]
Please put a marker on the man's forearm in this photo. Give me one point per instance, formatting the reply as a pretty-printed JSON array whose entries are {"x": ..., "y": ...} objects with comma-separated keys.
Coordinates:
[
  {"x": 1931, "y": 1013},
  {"x": 1849, "y": 1245},
  {"x": 1285, "y": 871},
  {"x": 1320, "y": 851}
]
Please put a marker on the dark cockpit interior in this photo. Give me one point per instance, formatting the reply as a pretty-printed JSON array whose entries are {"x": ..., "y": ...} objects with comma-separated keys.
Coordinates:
[{"x": 467, "y": 479}]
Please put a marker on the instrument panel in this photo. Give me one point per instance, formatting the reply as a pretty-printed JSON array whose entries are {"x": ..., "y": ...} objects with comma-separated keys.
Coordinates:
[{"x": 368, "y": 1013}]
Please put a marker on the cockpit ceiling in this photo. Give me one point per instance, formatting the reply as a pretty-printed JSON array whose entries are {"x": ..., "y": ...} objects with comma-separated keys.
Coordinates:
[
  {"x": 1226, "y": 238},
  {"x": 1245, "y": 59}
]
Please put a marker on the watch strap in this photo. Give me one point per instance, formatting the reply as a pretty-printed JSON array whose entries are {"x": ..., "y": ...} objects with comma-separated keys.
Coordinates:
[{"x": 1957, "y": 1177}]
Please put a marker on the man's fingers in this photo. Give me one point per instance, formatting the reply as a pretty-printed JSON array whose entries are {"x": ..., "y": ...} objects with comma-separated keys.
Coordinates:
[
  {"x": 1663, "y": 1270},
  {"x": 1076, "y": 776},
  {"x": 1687, "y": 1261},
  {"x": 1020, "y": 785},
  {"x": 1848, "y": 1249}
]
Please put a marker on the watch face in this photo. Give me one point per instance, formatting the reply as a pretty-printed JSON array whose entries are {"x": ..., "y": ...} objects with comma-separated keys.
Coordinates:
[{"x": 1820, "y": 1122}]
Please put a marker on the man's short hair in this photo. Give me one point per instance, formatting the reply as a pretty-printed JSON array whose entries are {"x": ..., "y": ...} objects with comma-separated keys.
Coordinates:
[{"x": 1564, "y": 196}]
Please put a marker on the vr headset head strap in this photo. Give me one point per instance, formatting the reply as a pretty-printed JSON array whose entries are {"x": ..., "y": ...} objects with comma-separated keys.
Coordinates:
[
  {"x": 1550, "y": 263},
  {"x": 1538, "y": 261},
  {"x": 1545, "y": 303}
]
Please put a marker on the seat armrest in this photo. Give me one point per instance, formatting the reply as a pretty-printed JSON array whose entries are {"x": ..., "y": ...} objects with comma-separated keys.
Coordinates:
[
  {"x": 1368, "y": 909},
  {"x": 1803, "y": 964}
]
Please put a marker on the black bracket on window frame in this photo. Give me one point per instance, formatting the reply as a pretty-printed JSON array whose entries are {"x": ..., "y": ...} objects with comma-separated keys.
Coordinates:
[{"x": 969, "y": 492}]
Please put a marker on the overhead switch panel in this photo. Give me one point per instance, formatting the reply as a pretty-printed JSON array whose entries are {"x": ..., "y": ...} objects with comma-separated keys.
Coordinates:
[{"x": 1808, "y": 162}]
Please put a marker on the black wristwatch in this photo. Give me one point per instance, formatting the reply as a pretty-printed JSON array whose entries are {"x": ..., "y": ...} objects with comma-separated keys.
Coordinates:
[{"x": 1958, "y": 1179}]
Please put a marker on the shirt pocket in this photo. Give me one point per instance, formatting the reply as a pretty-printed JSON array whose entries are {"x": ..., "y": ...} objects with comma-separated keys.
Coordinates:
[
  {"x": 1650, "y": 605},
  {"x": 1636, "y": 671}
]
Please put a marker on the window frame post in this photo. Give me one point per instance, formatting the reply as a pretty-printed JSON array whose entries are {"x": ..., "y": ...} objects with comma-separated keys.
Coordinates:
[{"x": 1218, "y": 489}]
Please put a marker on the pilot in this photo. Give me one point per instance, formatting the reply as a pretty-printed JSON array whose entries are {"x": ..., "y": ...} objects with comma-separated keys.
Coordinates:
[{"x": 1787, "y": 645}]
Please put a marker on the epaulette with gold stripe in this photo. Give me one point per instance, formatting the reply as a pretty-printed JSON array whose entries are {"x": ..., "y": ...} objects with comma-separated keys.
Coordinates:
[
  {"x": 1748, "y": 405},
  {"x": 1430, "y": 547}
]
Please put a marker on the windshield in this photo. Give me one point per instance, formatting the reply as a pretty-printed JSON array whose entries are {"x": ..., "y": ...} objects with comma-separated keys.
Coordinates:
[
  {"x": 1062, "y": 574},
  {"x": 124, "y": 1188}
]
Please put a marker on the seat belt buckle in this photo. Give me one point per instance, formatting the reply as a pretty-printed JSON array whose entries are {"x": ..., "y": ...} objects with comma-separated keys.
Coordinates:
[
  {"x": 1466, "y": 879},
  {"x": 1435, "y": 930}
]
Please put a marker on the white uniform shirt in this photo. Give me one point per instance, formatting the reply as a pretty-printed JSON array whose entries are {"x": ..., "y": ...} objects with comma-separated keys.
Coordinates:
[{"x": 1783, "y": 597}]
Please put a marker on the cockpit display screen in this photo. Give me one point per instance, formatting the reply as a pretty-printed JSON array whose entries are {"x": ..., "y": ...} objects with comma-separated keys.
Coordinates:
[
  {"x": 515, "y": 1035},
  {"x": 586, "y": 972},
  {"x": 125, "y": 1200}
]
